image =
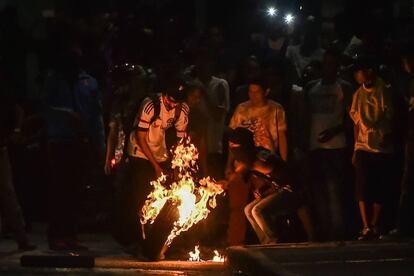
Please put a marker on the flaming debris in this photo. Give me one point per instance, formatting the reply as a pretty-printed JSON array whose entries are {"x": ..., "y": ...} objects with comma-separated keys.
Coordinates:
[
  {"x": 192, "y": 198},
  {"x": 195, "y": 256},
  {"x": 217, "y": 257}
]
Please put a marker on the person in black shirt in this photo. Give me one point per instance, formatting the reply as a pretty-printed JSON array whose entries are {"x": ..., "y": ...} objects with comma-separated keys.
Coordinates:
[
  {"x": 272, "y": 183},
  {"x": 276, "y": 193}
]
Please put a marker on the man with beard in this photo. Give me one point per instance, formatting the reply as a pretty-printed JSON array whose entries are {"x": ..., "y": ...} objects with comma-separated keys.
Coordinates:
[{"x": 147, "y": 151}]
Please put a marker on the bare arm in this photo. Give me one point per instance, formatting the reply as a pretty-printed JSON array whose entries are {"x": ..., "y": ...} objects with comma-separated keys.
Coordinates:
[
  {"x": 140, "y": 136},
  {"x": 229, "y": 165},
  {"x": 111, "y": 143},
  {"x": 283, "y": 150}
]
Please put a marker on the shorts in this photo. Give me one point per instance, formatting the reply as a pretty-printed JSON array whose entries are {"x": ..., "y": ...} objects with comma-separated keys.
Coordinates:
[{"x": 373, "y": 173}]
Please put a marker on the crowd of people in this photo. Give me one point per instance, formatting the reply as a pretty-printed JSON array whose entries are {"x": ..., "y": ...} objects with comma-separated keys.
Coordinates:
[{"x": 304, "y": 130}]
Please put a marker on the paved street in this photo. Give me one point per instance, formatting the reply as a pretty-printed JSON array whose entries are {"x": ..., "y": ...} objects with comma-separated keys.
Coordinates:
[
  {"x": 374, "y": 258},
  {"x": 109, "y": 260}
]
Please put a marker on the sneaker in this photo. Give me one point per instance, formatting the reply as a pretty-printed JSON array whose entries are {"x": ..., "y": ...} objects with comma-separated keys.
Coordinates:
[
  {"x": 366, "y": 234},
  {"x": 395, "y": 236}
]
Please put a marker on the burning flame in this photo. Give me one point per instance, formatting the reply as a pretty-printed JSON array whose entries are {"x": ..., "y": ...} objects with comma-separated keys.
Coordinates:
[
  {"x": 192, "y": 199},
  {"x": 195, "y": 256},
  {"x": 217, "y": 257}
]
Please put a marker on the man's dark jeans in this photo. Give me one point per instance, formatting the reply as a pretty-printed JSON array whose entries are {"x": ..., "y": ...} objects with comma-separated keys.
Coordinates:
[
  {"x": 64, "y": 189},
  {"x": 130, "y": 198},
  {"x": 327, "y": 189}
]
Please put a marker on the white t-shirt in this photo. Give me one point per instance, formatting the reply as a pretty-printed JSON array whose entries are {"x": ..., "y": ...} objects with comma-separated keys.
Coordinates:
[
  {"x": 219, "y": 98},
  {"x": 327, "y": 108},
  {"x": 265, "y": 122},
  {"x": 372, "y": 111},
  {"x": 155, "y": 132}
]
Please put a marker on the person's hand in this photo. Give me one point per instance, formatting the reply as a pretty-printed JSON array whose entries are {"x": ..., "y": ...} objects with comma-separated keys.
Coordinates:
[
  {"x": 223, "y": 183},
  {"x": 326, "y": 135},
  {"x": 158, "y": 171},
  {"x": 354, "y": 158}
]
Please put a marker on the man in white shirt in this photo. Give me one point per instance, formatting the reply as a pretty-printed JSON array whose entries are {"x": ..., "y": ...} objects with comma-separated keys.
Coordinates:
[
  {"x": 147, "y": 152},
  {"x": 266, "y": 119},
  {"x": 327, "y": 101},
  {"x": 372, "y": 113}
]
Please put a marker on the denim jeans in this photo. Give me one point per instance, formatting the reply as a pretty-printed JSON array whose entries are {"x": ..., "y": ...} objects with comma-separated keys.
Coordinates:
[
  {"x": 259, "y": 212},
  {"x": 327, "y": 187}
]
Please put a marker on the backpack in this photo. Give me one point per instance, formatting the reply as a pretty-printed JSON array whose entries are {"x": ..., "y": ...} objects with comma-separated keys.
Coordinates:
[
  {"x": 157, "y": 109},
  {"x": 170, "y": 134}
]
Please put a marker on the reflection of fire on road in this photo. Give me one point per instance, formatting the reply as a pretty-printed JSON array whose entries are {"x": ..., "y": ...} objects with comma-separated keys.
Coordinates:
[
  {"x": 191, "y": 199},
  {"x": 195, "y": 256}
]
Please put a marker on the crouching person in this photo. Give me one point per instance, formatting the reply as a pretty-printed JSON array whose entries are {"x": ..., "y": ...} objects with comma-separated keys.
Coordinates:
[{"x": 275, "y": 195}]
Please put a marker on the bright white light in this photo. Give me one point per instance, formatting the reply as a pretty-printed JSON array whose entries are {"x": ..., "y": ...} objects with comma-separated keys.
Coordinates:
[
  {"x": 271, "y": 11},
  {"x": 289, "y": 18}
]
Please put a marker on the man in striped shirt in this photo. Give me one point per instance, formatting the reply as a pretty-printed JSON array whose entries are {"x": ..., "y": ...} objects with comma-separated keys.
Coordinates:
[{"x": 147, "y": 156}]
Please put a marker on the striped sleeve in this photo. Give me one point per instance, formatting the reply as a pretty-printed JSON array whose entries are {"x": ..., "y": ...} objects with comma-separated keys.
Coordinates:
[{"x": 147, "y": 112}]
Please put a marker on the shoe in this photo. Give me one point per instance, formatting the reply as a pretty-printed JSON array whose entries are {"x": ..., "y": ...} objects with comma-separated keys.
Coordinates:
[
  {"x": 366, "y": 234},
  {"x": 395, "y": 235},
  {"x": 25, "y": 246}
]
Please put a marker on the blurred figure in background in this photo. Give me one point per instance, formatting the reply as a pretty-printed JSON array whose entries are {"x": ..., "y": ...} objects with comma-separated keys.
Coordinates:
[
  {"x": 405, "y": 225},
  {"x": 66, "y": 136},
  {"x": 327, "y": 102},
  {"x": 218, "y": 106},
  {"x": 250, "y": 70},
  {"x": 196, "y": 129},
  {"x": 309, "y": 49},
  {"x": 11, "y": 119}
]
